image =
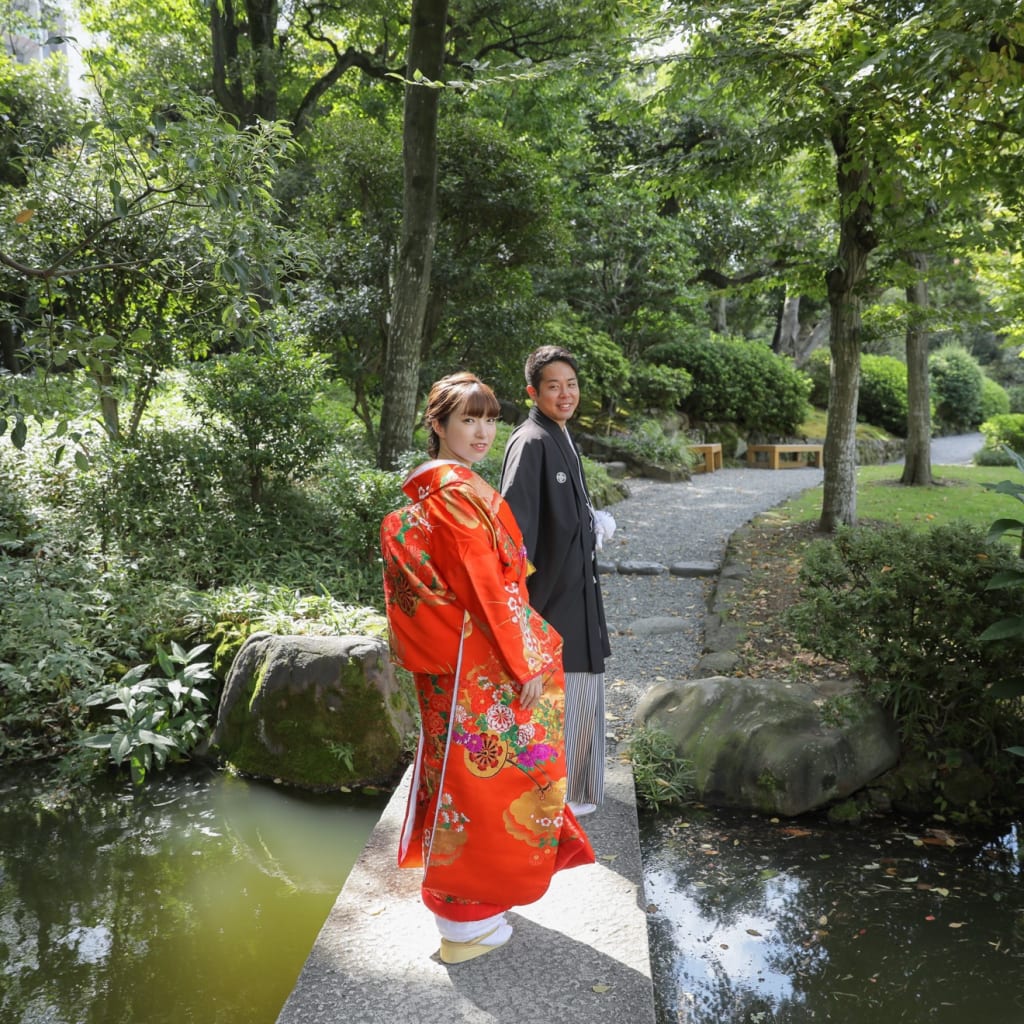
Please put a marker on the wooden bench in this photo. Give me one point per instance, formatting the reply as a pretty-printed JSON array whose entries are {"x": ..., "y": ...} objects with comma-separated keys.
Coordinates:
[
  {"x": 710, "y": 457},
  {"x": 785, "y": 456}
]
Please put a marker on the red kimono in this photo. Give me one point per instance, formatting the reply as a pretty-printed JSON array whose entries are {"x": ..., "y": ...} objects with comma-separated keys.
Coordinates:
[{"x": 486, "y": 816}]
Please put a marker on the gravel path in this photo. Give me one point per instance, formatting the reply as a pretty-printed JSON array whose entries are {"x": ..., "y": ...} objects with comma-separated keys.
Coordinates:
[{"x": 656, "y": 621}]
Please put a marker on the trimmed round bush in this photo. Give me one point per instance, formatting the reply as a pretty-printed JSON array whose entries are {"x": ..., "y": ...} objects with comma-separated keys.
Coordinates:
[
  {"x": 882, "y": 400},
  {"x": 956, "y": 381},
  {"x": 738, "y": 381},
  {"x": 995, "y": 399},
  {"x": 883, "y": 393}
]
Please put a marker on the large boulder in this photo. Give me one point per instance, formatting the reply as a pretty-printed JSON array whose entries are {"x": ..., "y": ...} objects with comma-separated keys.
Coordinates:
[
  {"x": 770, "y": 746},
  {"x": 317, "y": 712}
]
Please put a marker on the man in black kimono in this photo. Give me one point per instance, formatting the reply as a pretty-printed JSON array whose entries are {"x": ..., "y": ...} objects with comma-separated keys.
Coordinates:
[{"x": 542, "y": 479}]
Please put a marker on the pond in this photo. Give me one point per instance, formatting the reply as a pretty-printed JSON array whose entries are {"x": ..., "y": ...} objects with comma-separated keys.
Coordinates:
[
  {"x": 195, "y": 898},
  {"x": 759, "y": 921}
]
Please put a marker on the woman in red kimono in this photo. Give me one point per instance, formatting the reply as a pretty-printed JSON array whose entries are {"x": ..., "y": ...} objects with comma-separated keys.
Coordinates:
[{"x": 486, "y": 817}]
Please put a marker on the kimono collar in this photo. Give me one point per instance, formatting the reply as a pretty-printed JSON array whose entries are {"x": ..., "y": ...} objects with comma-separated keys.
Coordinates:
[{"x": 429, "y": 476}]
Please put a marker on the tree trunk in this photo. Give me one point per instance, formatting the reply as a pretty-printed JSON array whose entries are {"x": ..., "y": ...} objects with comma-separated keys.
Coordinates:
[
  {"x": 787, "y": 334},
  {"x": 717, "y": 309},
  {"x": 419, "y": 230},
  {"x": 816, "y": 337},
  {"x": 262, "y": 16},
  {"x": 917, "y": 469},
  {"x": 856, "y": 240},
  {"x": 109, "y": 407},
  {"x": 227, "y": 83},
  {"x": 8, "y": 348}
]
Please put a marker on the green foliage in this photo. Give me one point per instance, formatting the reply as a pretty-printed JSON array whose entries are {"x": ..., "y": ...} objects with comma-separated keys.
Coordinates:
[
  {"x": 1016, "y": 396},
  {"x": 995, "y": 399},
  {"x": 647, "y": 443},
  {"x": 956, "y": 381},
  {"x": 662, "y": 777},
  {"x": 604, "y": 370},
  {"x": 818, "y": 367},
  {"x": 257, "y": 407},
  {"x": 907, "y": 611},
  {"x": 740, "y": 381},
  {"x": 1005, "y": 430},
  {"x": 1010, "y": 630},
  {"x": 883, "y": 393},
  {"x": 882, "y": 400},
  {"x": 164, "y": 243},
  {"x": 149, "y": 721},
  {"x": 38, "y": 112},
  {"x": 658, "y": 388}
]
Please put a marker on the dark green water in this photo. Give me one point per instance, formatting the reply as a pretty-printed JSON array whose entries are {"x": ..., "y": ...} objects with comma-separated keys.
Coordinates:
[
  {"x": 761, "y": 922},
  {"x": 196, "y": 899}
]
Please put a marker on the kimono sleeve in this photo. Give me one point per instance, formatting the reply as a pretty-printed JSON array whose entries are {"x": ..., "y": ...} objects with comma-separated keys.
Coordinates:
[{"x": 465, "y": 551}]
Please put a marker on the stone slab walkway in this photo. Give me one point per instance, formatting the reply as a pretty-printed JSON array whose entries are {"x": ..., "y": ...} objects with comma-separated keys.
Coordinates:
[{"x": 579, "y": 954}]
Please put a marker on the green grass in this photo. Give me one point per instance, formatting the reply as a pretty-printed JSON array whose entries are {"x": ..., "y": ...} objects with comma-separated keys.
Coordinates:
[
  {"x": 958, "y": 494},
  {"x": 814, "y": 426}
]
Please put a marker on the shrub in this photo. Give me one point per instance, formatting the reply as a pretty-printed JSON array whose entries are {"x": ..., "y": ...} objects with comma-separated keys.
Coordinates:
[
  {"x": 818, "y": 368},
  {"x": 1016, "y": 396},
  {"x": 258, "y": 407},
  {"x": 956, "y": 382},
  {"x": 1006, "y": 430},
  {"x": 659, "y": 388},
  {"x": 883, "y": 393},
  {"x": 739, "y": 381},
  {"x": 604, "y": 370},
  {"x": 647, "y": 442},
  {"x": 995, "y": 399},
  {"x": 906, "y": 611},
  {"x": 882, "y": 400}
]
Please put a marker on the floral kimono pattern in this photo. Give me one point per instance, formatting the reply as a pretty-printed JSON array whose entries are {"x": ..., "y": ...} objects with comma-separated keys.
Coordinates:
[{"x": 486, "y": 817}]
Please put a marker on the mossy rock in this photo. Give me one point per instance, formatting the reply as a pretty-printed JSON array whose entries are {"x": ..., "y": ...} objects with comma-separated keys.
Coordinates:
[{"x": 316, "y": 712}]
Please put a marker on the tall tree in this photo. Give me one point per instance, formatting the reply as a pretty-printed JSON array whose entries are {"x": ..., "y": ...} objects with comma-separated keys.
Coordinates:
[
  {"x": 917, "y": 466},
  {"x": 887, "y": 88},
  {"x": 419, "y": 229}
]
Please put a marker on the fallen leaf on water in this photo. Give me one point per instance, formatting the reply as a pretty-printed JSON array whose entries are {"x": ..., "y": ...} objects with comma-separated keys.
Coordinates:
[
  {"x": 601, "y": 987},
  {"x": 956, "y": 924},
  {"x": 754, "y": 932}
]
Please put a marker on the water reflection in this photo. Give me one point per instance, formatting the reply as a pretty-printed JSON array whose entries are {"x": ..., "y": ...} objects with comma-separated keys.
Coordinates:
[
  {"x": 196, "y": 899},
  {"x": 759, "y": 922}
]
